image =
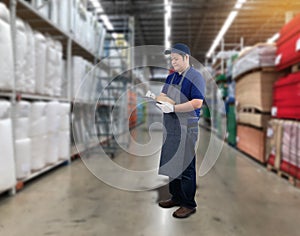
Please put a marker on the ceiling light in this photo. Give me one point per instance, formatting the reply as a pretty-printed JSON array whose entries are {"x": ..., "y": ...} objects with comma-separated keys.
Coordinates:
[
  {"x": 239, "y": 4},
  {"x": 222, "y": 32},
  {"x": 225, "y": 27},
  {"x": 167, "y": 19}
]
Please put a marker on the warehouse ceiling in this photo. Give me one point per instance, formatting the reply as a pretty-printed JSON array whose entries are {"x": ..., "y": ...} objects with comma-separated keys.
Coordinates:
[{"x": 197, "y": 22}]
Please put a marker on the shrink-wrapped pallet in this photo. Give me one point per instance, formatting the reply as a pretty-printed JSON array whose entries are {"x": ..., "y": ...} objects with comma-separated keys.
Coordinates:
[
  {"x": 64, "y": 14},
  {"x": 274, "y": 141},
  {"x": 21, "y": 49},
  {"x": 57, "y": 83},
  {"x": 52, "y": 114},
  {"x": 38, "y": 121},
  {"x": 23, "y": 158},
  {"x": 30, "y": 61},
  {"x": 51, "y": 63},
  {"x": 64, "y": 117},
  {"x": 7, "y": 163},
  {"x": 43, "y": 7},
  {"x": 6, "y": 53},
  {"x": 54, "y": 10},
  {"x": 22, "y": 109},
  {"x": 291, "y": 143},
  {"x": 40, "y": 58},
  {"x": 22, "y": 127},
  {"x": 4, "y": 110},
  {"x": 261, "y": 55},
  {"x": 53, "y": 140},
  {"x": 38, "y": 152},
  {"x": 64, "y": 145}
]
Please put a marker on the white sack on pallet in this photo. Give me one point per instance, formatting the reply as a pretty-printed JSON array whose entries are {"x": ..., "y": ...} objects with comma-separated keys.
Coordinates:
[
  {"x": 21, "y": 49},
  {"x": 65, "y": 109},
  {"x": 29, "y": 71},
  {"x": 64, "y": 123},
  {"x": 64, "y": 145},
  {"x": 64, "y": 15},
  {"x": 78, "y": 68},
  {"x": 54, "y": 10},
  {"x": 43, "y": 7},
  {"x": 6, "y": 54},
  {"x": 38, "y": 152},
  {"x": 57, "y": 83},
  {"x": 22, "y": 109},
  {"x": 51, "y": 57},
  {"x": 38, "y": 120},
  {"x": 52, "y": 114},
  {"x": 38, "y": 109},
  {"x": 7, "y": 162},
  {"x": 64, "y": 83},
  {"x": 40, "y": 58},
  {"x": 52, "y": 148},
  {"x": 73, "y": 16},
  {"x": 22, "y": 126},
  {"x": 38, "y": 127},
  {"x": 4, "y": 110},
  {"x": 23, "y": 158}
]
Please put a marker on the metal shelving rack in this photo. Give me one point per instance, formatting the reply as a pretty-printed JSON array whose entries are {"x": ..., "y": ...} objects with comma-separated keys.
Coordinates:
[
  {"x": 71, "y": 47},
  {"x": 111, "y": 113}
]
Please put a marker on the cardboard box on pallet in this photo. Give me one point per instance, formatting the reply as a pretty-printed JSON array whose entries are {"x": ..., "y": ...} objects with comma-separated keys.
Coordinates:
[
  {"x": 252, "y": 142},
  {"x": 255, "y": 90}
]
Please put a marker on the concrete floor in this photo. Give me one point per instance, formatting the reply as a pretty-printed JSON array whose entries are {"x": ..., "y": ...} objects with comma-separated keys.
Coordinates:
[{"x": 237, "y": 197}]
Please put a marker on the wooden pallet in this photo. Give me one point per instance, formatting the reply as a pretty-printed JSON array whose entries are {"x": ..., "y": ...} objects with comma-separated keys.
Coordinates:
[
  {"x": 37, "y": 173},
  {"x": 292, "y": 180},
  {"x": 263, "y": 69}
]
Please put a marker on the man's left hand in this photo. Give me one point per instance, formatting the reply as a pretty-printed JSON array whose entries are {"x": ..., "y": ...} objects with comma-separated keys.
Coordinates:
[{"x": 165, "y": 107}]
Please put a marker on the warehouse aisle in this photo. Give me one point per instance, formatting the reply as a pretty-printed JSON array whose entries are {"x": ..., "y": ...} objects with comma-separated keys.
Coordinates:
[{"x": 237, "y": 197}]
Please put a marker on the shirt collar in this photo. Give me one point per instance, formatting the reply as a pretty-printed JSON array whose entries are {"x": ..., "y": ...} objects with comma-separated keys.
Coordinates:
[{"x": 184, "y": 71}]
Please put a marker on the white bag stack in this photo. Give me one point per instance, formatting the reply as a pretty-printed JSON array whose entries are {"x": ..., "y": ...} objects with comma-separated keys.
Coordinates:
[
  {"x": 53, "y": 81},
  {"x": 21, "y": 49},
  {"x": 64, "y": 84},
  {"x": 22, "y": 140},
  {"x": 88, "y": 87},
  {"x": 40, "y": 58},
  {"x": 51, "y": 70},
  {"x": 38, "y": 135},
  {"x": 43, "y": 7},
  {"x": 78, "y": 75},
  {"x": 6, "y": 54},
  {"x": 7, "y": 163},
  {"x": 57, "y": 83},
  {"x": 30, "y": 60},
  {"x": 64, "y": 132},
  {"x": 54, "y": 14},
  {"x": 64, "y": 14},
  {"x": 53, "y": 123}
]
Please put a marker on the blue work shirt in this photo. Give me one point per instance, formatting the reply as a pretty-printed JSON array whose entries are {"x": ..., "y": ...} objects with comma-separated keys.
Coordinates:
[{"x": 193, "y": 86}]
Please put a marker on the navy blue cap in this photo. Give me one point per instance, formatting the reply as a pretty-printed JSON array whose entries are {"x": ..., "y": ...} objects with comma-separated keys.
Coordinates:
[{"x": 179, "y": 48}]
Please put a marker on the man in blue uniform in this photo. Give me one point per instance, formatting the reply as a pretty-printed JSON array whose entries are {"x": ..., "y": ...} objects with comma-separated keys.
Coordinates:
[{"x": 186, "y": 87}]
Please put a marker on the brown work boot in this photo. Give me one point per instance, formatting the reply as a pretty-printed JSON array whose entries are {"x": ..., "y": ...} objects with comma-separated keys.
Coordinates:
[
  {"x": 184, "y": 212},
  {"x": 168, "y": 203}
]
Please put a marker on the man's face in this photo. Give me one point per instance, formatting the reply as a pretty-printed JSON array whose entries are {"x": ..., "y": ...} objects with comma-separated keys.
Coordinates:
[{"x": 179, "y": 63}]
